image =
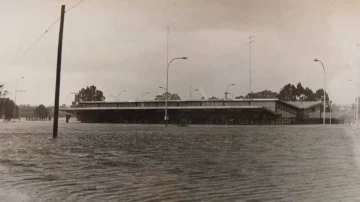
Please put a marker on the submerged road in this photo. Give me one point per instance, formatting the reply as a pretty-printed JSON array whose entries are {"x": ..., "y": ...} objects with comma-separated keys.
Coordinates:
[{"x": 104, "y": 162}]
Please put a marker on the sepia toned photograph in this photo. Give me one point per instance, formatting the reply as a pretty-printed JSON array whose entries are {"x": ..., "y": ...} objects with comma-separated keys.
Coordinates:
[{"x": 179, "y": 100}]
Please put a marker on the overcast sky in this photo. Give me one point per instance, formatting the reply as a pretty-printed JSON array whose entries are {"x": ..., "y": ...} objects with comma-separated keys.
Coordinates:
[{"x": 121, "y": 45}]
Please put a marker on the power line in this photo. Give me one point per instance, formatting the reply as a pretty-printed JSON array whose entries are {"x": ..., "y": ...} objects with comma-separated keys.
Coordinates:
[
  {"x": 35, "y": 42},
  {"x": 74, "y": 6},
  {"x": 42, "y": 35}
]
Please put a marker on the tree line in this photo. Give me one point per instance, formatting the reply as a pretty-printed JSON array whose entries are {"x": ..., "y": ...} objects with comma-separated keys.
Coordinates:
[
  {"x": 40, "y": 111},
  {"x": 8, "y": 109},
  {"x": 288, "y": 92}
]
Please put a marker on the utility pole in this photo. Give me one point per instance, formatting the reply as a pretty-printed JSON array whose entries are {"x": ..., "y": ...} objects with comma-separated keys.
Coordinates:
[
  {"x": 250, "y": 42},
  {"x": 58, "y": 73},
  {"x": 357, "y": 96},
  {"x": 167, "y": 76}
]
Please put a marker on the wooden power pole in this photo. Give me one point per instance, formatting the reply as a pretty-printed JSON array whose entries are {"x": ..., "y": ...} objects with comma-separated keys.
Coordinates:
[{"x": 58, "y": 73}]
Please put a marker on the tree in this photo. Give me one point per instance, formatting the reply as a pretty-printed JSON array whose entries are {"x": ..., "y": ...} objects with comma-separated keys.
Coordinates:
[
  {"x": 10, "y": 109},
  {"x": 286, "y": 93},
  {"x": 90, "y": 93},
  {"x": 300, "y": 92},
  {"x": 213, "y": 98},
  {"x": 319, "y": 96},
  {"x": 7, "y": 106},
  {"x": 240, "y": 97},
  {"x": 291, "y": 93},
  {"x": 41, "y": 112},
  {"x": 3, "y": 100},
  {"x": 261, "y": 94},
  {"x": 169, "y": 96}
]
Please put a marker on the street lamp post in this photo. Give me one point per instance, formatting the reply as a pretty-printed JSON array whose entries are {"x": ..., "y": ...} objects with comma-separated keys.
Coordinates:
[
  {"x": 355, "y": 100},
  {"x": 357, "y": 93},
  {"x": 144, "y": 94},
  {"x": 316, "y": 60},
  {"x": 74, "y": 97},
  {"x": 166, "y": 118},
  {"x": 192, "y": 92},
  {"x": 120, "y": 94},
  {"x": 74, "y": 103},
  {"x": 20, "y": 91},
  {"x": 227, "y": 87},
  {"x": 16, "y": 90},
  {"x": 355, "y": 109}
]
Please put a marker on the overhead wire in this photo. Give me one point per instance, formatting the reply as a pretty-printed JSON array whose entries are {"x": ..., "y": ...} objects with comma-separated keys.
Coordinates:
[
  {"x": 74, "y": 6},
  {"x": 43, "y": 34}
]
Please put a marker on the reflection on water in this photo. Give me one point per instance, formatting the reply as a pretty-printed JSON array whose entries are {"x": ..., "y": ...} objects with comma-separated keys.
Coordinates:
[{"x": 153, "y": 163}]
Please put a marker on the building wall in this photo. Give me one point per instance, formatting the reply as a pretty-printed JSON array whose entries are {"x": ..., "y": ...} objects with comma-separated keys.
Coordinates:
[
  {"x": 268, "y": 104},
  {"x": 202, "y": 116},
  {"x": 313, "y": 112},
  {"x": 287, "y": 114}
]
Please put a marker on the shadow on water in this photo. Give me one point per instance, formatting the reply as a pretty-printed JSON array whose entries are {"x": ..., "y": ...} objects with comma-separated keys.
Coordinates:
[{"x": 196, "y": 163}]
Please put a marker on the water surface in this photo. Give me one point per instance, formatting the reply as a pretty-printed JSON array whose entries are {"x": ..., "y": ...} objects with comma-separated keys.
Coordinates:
[{"x": 105, "y": 162}]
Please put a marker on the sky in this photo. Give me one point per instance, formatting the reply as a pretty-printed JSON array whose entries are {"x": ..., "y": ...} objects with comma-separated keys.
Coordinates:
[{"x": 121, "y": 45}]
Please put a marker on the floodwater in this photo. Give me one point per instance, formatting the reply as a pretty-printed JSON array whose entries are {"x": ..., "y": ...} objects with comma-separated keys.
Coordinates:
[{"x": 104, "y": 162}]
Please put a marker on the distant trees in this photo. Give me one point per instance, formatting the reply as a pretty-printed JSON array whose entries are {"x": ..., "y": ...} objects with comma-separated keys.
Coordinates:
[
  {"x": 90, "y": 93},
  {"x": 291, "y": 93},
  {"x": 169, "y": 96},
  {"x": 41, "y": 112},
  {"x": 29, "y": 111},
  {"x": 213, "y": 98},
  {"x": 319, "y": 95},
  {"x": 3, "y": 94},
  {"x": 7, "y": 106},
  {"x": 288, "y": 93},
  {"x": 10, "y": 109},
  {"x": 261, "y": 94},
  {"x": 3, "y": 100},
  {"x": 240, "y": 97}
]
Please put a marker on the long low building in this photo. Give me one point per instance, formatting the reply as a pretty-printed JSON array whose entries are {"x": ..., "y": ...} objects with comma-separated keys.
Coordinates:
[{"x": 237, "y": 111}]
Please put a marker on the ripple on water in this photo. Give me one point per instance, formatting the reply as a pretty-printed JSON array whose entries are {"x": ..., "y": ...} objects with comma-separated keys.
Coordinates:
[{"x": 103, "y": 162}]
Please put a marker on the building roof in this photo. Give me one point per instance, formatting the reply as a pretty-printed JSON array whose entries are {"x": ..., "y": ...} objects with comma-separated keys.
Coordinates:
[
  {"x": 149, "y": 101},
  {"x": 304, "y": 104},
  {"x": 297, "y": 104},
  {"x": 170, "y": 108}
]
